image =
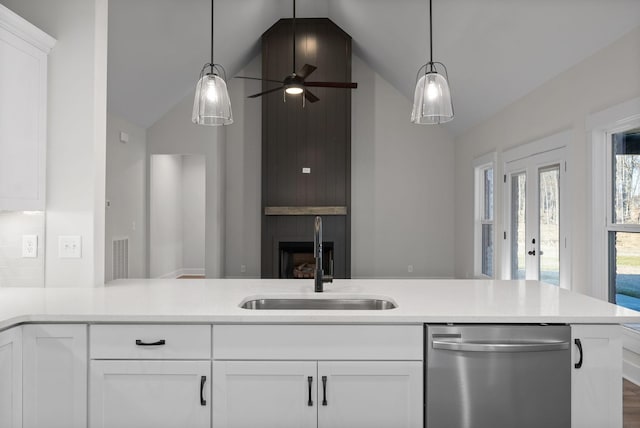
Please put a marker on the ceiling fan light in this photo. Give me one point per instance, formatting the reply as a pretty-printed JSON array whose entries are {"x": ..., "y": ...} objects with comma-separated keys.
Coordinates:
[
  {"x": 212, "y": 106},
  {"x": 432, "y": 100},
  {"x": 294, "y": 90}
]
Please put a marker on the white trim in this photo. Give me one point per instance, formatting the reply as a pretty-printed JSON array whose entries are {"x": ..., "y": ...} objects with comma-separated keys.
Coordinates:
[
  {"x": 599, "y": 126},
  {"x": 548, "y": 150},
  {"x": 480, "y": 164},
  {"x": 182, "y": 271},
  {"x": 23, "y": 29}
]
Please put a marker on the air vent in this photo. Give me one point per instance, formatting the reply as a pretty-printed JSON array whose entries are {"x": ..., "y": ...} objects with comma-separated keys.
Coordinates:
[{"x": 120, "y": 258}]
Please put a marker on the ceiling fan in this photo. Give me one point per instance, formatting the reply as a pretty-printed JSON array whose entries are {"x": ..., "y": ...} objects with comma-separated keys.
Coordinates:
[{"x": 295, "y": 83}]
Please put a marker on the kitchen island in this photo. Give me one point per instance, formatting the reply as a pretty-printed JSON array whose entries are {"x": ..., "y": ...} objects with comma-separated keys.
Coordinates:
[{"x": 183, "y": 352}]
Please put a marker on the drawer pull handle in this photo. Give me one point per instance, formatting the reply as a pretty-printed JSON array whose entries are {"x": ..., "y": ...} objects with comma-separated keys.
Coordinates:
[
  {"x": 324, "y": 390},
  {"x": 310, "y": 381},
  {"x": 203, "y": 380},
  {"x": 158, "y": 343}
]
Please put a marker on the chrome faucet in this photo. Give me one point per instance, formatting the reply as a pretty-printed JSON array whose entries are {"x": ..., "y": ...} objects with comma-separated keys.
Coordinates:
[{"x": 319, "y": 277}]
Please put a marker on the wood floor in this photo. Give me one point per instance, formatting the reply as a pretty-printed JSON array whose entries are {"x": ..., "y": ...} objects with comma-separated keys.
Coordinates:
[{"x": 631, "y": 396}]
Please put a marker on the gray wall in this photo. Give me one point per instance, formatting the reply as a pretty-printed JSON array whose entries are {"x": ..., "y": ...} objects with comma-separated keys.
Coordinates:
[{"x": 561, "y": 104}]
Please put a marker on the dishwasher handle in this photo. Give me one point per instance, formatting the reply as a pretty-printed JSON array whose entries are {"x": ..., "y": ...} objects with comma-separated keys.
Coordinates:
[{"x": 500, "y": 347}]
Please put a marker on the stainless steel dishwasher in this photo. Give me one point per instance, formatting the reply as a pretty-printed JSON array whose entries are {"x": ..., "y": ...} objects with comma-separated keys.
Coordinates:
[{"x": 498, "y": 376}]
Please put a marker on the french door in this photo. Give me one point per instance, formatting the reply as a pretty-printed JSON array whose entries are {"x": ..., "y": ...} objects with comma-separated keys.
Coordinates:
[{"x": 535, "y": 243}]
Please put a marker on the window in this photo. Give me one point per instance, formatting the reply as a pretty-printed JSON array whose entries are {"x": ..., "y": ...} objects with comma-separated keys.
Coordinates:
[
  {"x": 615, "y": 203},
  {"x": 484, "y": 248},
  {"x": 623, "y": 229}
]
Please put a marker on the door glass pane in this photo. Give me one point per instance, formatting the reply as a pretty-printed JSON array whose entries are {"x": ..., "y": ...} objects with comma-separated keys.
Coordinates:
[
  {"x": 518, "y": 236},
  {"x": 549, "y": 217},
  {"x": 626, "y": 177},
  {"x": 487, "y": 249},
  {"x": 488, "y": 194},
  {"x": 624, "y": 269}
]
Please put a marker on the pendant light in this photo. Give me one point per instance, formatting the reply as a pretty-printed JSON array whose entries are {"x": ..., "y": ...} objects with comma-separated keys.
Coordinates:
[
  {"x": 211, "y": 105},
  {"x": 432, "y": 99}
]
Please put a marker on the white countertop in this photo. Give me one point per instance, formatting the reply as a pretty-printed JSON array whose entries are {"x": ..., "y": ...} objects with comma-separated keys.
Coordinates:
[{"x": 218, "y": 300}]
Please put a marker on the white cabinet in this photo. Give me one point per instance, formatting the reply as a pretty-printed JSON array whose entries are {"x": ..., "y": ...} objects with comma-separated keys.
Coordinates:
[
  {"x": 325, "y": 394},
  {"x": 596, "y": 376},
  {"x": 326, "y": 376},
  {"x": 158, "y": 394},
  {"x": 370, "y": 394},
  {"x": 266, "y": 394},
  {"x": 11, "y": 378},
  {"x": 55, "y": 376},
  {"x": 23, "y": 113}
]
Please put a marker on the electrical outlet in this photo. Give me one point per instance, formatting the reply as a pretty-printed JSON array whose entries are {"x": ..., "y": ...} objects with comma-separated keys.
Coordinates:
[
  {"x": 243, "y": 268},
  {"x": 30, "y": 246},
  {"x": 69, "y": 247},
  {"x": 410, "y": 268}
]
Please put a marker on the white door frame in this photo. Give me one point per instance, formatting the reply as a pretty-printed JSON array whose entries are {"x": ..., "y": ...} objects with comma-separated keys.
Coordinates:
[{"x": 530, "y": 157}]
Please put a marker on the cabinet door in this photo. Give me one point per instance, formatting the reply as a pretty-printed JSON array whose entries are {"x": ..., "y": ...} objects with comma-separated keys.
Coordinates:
[
  {"x": 367, "y": 394},
  {"x": 596, "y": 387},
  {"x": 265, "y": 394},
  {"x": 23, "y": 85},
  {"x": 55, "y": 376},
  {"x": 150, "y": 394},
  {"x": 11, "y": 378}
]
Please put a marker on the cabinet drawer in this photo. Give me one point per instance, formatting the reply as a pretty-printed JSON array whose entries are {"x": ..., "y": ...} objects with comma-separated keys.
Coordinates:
[
  {"x": 317, "y": 342},
  {"x": 150, "y": 342}
]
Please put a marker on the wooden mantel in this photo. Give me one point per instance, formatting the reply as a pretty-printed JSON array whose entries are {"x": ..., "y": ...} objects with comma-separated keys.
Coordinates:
[{"x": 305, "y": 211}]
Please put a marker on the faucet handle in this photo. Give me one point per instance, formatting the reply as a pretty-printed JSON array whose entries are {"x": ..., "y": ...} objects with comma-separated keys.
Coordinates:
[{"x": 327, "y": 278}]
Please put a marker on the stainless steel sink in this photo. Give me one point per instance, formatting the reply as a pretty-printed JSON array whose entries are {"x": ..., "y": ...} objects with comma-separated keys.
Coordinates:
[{"x": 319, "y": 304}]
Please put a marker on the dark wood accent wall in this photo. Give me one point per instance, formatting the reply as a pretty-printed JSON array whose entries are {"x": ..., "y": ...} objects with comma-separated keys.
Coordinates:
[{"x": 317, "y": 136}]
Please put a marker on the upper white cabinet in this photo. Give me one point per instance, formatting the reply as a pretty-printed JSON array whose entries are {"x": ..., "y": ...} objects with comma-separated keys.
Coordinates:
[
  {"x": 11, "y": 378},
  {"x": 23, "y": 113}
]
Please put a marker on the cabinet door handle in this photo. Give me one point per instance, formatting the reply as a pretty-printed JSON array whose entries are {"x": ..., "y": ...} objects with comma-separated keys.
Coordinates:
[
  {"x": 579, "y": 345},
  {"x": 324, "y": 390},
  {"x": 203, "y": 380},
  {"x": 310, "y": 381},
  {"x": 158, "y": 343}
]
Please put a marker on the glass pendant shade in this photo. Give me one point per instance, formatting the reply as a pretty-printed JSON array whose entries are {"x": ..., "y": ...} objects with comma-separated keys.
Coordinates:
[
  {"x": 211, "y": 105},
  {"x": 432, "y": 100}
]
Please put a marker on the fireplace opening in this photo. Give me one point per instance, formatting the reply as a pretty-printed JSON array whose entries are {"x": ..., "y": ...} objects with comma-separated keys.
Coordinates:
[{"x": 297, "y": 261}]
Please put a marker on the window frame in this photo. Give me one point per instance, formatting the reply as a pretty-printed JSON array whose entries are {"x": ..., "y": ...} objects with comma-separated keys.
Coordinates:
[
  {"x": 600, "y": 128},
  {"x": 480, "y": 165}
]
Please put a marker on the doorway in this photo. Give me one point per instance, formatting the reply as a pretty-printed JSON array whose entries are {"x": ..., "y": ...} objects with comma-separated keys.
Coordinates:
[{"x": 535, "y": 211}]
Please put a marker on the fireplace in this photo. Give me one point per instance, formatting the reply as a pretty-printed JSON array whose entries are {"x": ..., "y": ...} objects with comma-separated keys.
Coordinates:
[{"x": 297, "y": 261}]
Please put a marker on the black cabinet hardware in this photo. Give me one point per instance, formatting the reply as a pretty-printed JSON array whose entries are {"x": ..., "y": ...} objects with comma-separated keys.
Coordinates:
[
  {"x": 532, "y": 252},
  {"x": 203, "y": 380},
  {"x": 579, "y": 345},
  {"x": 324, "y": 390},
  {"x": 310, "y": 380},
  {"x": 158, "y": 343}
]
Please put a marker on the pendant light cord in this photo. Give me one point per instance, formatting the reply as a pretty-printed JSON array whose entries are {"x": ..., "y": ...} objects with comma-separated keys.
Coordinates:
[
  {"x": 430, "y": 34},
  {"x": 294, "y": 36},
  {"x": 212, "y": 36}
]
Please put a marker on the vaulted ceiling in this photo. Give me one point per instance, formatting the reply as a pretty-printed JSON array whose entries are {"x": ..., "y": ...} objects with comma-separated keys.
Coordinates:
[{"x": 496, "y": 50}]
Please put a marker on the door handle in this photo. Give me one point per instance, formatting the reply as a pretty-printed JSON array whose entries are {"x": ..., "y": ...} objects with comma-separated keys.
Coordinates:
[
  {"x": 158, "y": 343},
  {"x": 310, "y": 381},
  {"x": 532, "y": 252},
  {"x": 203, "y": 380},
  {"x": 579, "y": 345},
  {"x": 324, "y": 390}
]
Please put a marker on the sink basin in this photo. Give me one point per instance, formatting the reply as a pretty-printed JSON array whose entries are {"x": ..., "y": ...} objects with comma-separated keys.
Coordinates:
[{"x": 319, "y": 304}]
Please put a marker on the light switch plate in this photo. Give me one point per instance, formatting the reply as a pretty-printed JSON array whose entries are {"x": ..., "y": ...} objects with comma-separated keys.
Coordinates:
[
  {"x": 30, "y": 246},
  {"x": 70, "y": 247},
  {"x": 306, "y": 170}
]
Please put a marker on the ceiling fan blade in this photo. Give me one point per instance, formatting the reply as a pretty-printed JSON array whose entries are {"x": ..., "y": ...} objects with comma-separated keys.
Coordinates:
[
  {"x": 265, "y": 92},
  {"x": 257, "y": 78},
  {"x": 306, "y": 70},
  {"x": 346, "y": 85},
  {"x": 310, "y": 96}
]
